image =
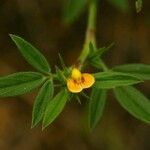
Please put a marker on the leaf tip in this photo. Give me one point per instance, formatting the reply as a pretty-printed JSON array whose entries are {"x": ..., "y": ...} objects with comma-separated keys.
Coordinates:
[
  {"x": 12, "y": 36},
  {"x": 44, "y": 126},
  {"x": 32, "y": 126}
]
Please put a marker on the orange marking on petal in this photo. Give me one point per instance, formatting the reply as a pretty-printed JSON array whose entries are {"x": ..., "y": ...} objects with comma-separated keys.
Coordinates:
[
  {"x": 73, "y": 86},
  {"x": 87, "y": 80}
]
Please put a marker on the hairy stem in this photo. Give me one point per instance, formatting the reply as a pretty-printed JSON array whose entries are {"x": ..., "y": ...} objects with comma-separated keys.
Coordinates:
[
  {"x": 90, "y": 32},
  {"x": 90, "y": 35}
]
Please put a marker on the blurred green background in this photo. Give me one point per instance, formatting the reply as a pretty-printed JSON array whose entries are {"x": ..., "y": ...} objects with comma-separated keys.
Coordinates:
[{"x": 40, "y": 22}]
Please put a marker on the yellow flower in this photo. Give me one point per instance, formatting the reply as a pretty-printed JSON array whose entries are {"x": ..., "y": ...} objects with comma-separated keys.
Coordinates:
[{"x": 79, "y": 81}]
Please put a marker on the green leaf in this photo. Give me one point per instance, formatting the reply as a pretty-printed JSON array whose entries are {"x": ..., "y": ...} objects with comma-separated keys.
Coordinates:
[
  {"x": 72, "y": 10},
  {"x": 140, "y": 70},
  {"x": 31, "y": 54},
  {"x": 20, "y": 83},
  {"x": 96, "y": 53},
  {"x": 96, "y": 63},
  {"x": 134, "y": 102},
  {"x": 44, "y": 96},
  {"x": 121, "y": 5},
  {"x": 96, "y": 106},
  {"x": 62, "y": 63},
  {"x": 55, "y": 107},
  {"x": 60, "y": 75},
  {"x": 109, "y": 79},
  {"x": 138, "y": 5}
]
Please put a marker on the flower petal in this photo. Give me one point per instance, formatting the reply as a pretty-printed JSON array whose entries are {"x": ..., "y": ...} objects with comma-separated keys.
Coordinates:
[
  {"x": 88, "y": 80},
  {"x": 76, "y": 74},
  {"x": 73, "y": 86}
]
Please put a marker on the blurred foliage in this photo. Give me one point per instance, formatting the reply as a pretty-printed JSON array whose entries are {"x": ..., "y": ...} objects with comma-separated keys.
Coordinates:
[
  {"x": 138, "y": 5},
  {"x": 73, "y": 9},
  {"x": 121, "y": 5}
]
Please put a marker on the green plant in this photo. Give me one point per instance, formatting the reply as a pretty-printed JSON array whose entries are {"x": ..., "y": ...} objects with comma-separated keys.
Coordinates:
[{"x": 71, "y": 81}]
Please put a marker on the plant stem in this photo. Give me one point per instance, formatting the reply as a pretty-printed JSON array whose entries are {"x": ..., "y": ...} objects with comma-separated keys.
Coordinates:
[
  {"x": 90, "y": 35},
  {"x": 90, "y": 32}
]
